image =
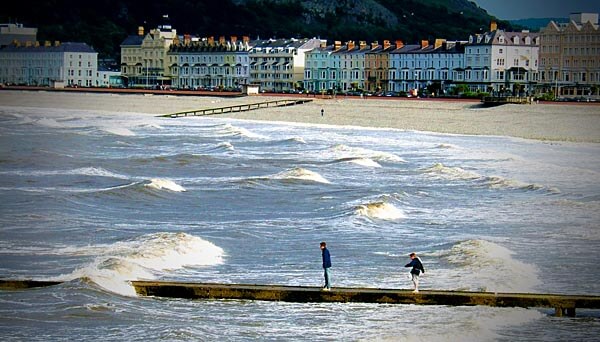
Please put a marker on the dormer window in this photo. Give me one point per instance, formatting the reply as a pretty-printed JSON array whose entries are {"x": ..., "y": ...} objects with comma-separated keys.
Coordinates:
[
  {"x": 501, "y": 39},
  {"x": 515, "y": 40}
]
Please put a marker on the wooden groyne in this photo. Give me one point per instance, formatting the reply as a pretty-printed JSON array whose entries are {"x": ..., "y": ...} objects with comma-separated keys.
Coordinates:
[
  {"x": 562, "y": 304},
  {"x": 500, "y": 100},
  {"x": 238, "y": 108}
]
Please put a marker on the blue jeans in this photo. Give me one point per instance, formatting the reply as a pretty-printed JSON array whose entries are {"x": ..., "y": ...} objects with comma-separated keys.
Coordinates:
[{"x": 327, "y": 278}]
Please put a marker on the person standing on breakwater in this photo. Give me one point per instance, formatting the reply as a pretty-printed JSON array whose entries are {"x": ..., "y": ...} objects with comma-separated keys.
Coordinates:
[
  {"x": 417, "y": 268},
  {"x": 326, "y": 266}
]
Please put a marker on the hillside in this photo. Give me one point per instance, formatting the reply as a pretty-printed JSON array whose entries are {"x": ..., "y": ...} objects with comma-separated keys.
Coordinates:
[
  {"x": 105, "y": 23},
  {"x": 535, "y": 24}
]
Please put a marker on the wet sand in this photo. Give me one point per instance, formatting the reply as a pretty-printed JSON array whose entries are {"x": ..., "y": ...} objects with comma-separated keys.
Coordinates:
[{"x": 553, "y": 122}]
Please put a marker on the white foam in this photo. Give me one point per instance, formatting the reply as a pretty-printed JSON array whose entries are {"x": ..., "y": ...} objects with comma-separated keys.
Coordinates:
[
  {"x": 166, "y": 184},
  {"x": 365, "y": 162},
  {"x": 230, "y": 130},
  {"x": 439, "y": 170},
  {"x": 344, "y": 151},
  {"x": 380, "y": 210},
  {"x": 143, "y": 258},
  {"x": 301, "y": 174},
  {"x": 487, "y": 266},
  {"x": 122, "y": 131},
  {"x": 85, "y": 171}
]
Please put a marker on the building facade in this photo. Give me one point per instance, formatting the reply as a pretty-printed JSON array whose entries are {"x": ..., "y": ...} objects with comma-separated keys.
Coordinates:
[
  {"x": 72, "y": 64},
  {"x": 144, "y": 62},
  {"x": 501, "y": 62},
  {"x": 570, "y": 56},
  {"x": 278, "y": 64},
  {"x": 336, "y": 68},
  {"x": 413, "y": 68},
  {"x": 11, "y": 33},
  {"x": 210, "y": 64}
]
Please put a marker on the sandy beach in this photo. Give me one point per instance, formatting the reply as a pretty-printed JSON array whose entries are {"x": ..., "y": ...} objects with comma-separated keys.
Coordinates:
[{"x": 552, "y": 122}]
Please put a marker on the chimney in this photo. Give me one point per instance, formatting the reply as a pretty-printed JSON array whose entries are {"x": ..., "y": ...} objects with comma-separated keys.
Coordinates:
[
  {"x": 187, "y": 39},
  {"x": 323, "y": 44},
  {"x": 386, "y": 44},
  {"x": 399, "y": 44},
  {"x": 245, "y": 39},
  {"x": 362, "y": 44},
  {"x": 233, "y": 40},
  {"x": 140, "y": 30},
  {"x": 27, "y": 44},
  {"x": 439, "y": 42},
  {"x": 424, "y": 44},
  {"x": 211, "y": 41},
  {"x": 350, "y": 45},
  {"x": 37, "y": 43},
  {"x": 56, "y": 43},
  {"x": 337, "y": 44},
  {"x": 47, "y": 43},
  {"x": 222, "y": 40},
  {"x": 493, "y": 26},
  {"x": 374, "y": 45}
]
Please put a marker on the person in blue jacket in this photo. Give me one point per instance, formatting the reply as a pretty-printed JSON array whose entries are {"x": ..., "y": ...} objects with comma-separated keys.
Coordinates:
[
  {"x": 417, "y": 268},
  {"x": 326, "y": 266}
]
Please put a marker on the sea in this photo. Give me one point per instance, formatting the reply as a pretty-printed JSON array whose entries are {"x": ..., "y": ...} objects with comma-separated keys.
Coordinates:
[{"x": 96, "y": 199}]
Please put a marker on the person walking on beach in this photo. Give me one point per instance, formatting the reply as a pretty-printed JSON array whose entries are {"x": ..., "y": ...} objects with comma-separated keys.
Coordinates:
[
  {"x": 417, "y": 268},
  {"x": 326, "y": 266},
  {"x": 322, "y": 111}
]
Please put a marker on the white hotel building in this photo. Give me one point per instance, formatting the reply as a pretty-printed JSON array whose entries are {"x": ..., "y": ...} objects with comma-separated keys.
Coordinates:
[
  {"x": 502, "y": 62},
  {"x": 73, "y": 64}
]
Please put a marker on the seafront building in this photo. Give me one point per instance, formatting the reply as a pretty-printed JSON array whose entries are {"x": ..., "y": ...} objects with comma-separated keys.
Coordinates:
[
  {"x": 48, "y": 64},
  {"x": 336, "y": 68},
  {"x": 144, "y": 57},
  {"x": 570, "y": 56},
  {"x": 413, "y": 68},
  {"x": 278, "y": 64},
  {"x": 209, "y": 64},
  {"x": 502, "y": 62},
  {"x": 16, "y": 33},
  {"x": 377, "y": 62}
]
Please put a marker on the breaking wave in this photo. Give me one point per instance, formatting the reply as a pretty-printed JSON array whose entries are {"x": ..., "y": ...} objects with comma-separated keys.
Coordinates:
[
  {"x": 440, "y": 171},
  {"x": 166, "y": 184},
  {"x": 341, "y": 151},
  {"x": 486, "y": 266},
  {"x": 144, "y": 258},
  {"x": 300, "y": 174},
  {"x": 360, "y": 161},
  {"x": 380, "y": 210},
  {"x": 230, "y": 130}
]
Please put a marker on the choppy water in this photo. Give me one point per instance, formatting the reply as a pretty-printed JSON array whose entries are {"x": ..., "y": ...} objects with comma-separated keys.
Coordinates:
[{"x": 116, "y": 197}]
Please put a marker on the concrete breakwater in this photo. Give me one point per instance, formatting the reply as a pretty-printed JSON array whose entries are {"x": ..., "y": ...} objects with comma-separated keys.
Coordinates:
[{"x": 562, "y": 304}]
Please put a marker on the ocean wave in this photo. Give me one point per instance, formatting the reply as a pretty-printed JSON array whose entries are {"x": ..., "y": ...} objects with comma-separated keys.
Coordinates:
[
  {"x": 486, "y": 266},
  {"x": 300, "y": 174},
  {"x": 440, "y": 171},
  {"x": 144, "y": 258},
  {"x": 121, "y": 131},
  {"x": 380, "y": 210},
  {"x": 230, "y": 130},
  {"x": 83, "y": 171},
  {"x": 223, "y": 146},
  {"x": 164, "y": 184},
  {"x": 360, "y": 161},
  {"x": 342, "y": 151}
]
